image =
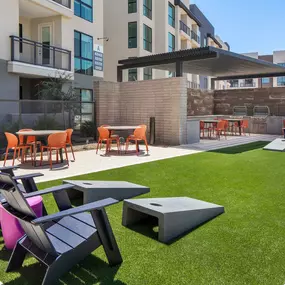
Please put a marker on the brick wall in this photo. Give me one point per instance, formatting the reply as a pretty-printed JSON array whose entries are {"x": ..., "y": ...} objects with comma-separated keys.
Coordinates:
[
  {"x": 200, "y": 102},
  {"x": 133, "y": 103},
  {"x": 274, "y": 98}
]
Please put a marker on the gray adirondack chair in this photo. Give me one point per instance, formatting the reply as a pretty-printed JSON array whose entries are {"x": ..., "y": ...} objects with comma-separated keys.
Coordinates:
[{"x": 60, "y": 240}]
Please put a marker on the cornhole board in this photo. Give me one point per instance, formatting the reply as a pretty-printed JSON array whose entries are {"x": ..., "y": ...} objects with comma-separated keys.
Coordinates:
[
  {"x": 175, "y": 215},
  {"x": 93, "y": 190},
  {"x": 276, "y": 145}
]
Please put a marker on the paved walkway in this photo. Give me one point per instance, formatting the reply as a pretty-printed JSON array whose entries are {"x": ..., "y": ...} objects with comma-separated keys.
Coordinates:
[{"x": 88, "y": 162}]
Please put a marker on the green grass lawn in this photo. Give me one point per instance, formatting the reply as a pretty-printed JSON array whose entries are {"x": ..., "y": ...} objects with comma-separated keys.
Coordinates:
[{"x": 245, "y": 245}]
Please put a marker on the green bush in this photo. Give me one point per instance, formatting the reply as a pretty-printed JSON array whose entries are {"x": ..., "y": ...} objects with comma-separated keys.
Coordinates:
[
  {"x": 46, "y": 123},
  {"x": 88, "y": 129}
]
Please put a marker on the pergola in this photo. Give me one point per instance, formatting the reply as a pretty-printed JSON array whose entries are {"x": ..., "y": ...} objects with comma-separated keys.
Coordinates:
[{"x": 208, "y": 61}]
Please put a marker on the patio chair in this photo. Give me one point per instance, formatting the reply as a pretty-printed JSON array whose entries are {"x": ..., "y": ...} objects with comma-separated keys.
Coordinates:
[
  {"x": 56, "y": 142},
  {"x": 112, "y": 134},
  {"x": 31, "y": 140},
  {"x": 13, "y": 143},
  {"x": 69, "y": 140},
  {"x": 220, "y": 129},
  {"x": 104, "y": 136},
  {"x": 61, "y": 240},
  {"x": 244, "y": 127},
  {"x": 138, "y": 135},
  {"x": 203, "y": 128}
]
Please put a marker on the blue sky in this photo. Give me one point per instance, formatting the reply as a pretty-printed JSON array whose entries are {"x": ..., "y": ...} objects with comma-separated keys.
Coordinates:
[{"x": 247, "y": 25}]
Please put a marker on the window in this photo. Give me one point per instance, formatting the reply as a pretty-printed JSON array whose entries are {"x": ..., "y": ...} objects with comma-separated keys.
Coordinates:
[
  {"x": 86, "y": 110},
  {"x": 84, "y": 9},
  {"x": 171, "y": 42},
  {"x": 83, "y": 53},
  {"x": 132, "y": 30},
  {"x": 133, "y": 74},
  {"x": 234, "y": 83},
  {"x": 20, "y": 36},
  {"x": 205, "y": 41},
  {"x": 147, "y": 73},
  {"x": 281, "y": 80},
  {"x": 147, "y": 38},
  {"x": 147, "y": 8},
  {"x": 265, "y": 80},
  {"x": 132, "y": 6},
  {"x": 171, "y": 15}
]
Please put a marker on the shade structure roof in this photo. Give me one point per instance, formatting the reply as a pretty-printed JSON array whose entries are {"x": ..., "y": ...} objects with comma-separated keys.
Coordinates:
[{"x": 208, "y": 61}]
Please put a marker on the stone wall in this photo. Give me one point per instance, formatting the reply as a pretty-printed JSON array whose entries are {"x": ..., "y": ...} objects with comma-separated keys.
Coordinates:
[
  {"x": 200, "y": 102},
  {"x": 133, "y": 103},
  {"x": 274, "y": 98}
]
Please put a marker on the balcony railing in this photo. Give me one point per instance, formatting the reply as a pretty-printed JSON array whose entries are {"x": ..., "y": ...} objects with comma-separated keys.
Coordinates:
[
  {"x": 193, "y": 85},
  {"x": 195, "y": 37},
  {"x": 65, "y": 3},
  {"x": 247, "y": 84},
  {"x": 31, "y": 52},
  {"x": 185, "y": 28}
]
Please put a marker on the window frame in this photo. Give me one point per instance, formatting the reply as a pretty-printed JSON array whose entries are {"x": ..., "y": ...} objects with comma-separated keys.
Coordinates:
[
  {"x": 171, "y": 49},
  {"x": 131, "y": 3},
  {"x": 147, "y": 45},
  {"x": 136, "y": 37},
  {"x": 80, "y": 57},
  {"x": 147, "y": 75},
  {"x": 171, "y": 18},
  {"x": 147, "y": 11},
  {"x": 133, "y": 71},
  {"x": 81, "y": 3}
]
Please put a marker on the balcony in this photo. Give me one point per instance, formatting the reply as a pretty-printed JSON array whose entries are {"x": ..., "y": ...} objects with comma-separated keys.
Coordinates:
[
  {"x": 195, "y": 37},
  {"x": 34, "y": 58},
  {"x": 45, "y": 8},
  {"x": 185, "y": 28}
]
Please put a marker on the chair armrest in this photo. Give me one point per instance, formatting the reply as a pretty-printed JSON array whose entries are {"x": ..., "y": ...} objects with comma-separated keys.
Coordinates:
[
  {"x": 77, "y": 210},
  {"x": 27, "y": 176},
  {"x": 50, "y": 190},
  {"x": 9, "y": 167}
]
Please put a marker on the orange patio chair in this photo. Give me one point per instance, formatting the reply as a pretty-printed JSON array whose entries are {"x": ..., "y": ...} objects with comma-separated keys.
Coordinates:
[
  {"x": 13, "y": 143},
  {"x": 31, "y": 140},
  {"x": 244, "y": 126},
  {"x": 56, "y": 142},
  {"x": 69, "y": 140},
  {"x": 138, "y": 135},
  {"x": 221, "y": 129},
  {"x": 104, "y": 136}
]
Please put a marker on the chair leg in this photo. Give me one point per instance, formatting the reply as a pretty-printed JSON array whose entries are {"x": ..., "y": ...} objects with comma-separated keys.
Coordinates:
[
  {"x": 17, "y": 258},
  {"x": 57, "y": 156},
  {"x": 98, "y": 143},
  {"x": 65, "y": 150},
  {"x": 72, "y": 152},
  {"x": 6, "y": 156},
  {"x": 118, "y": 146},
  {"x": 146, "y": 146},
  {"x": 50, "y": 158},
  {"x": 14, "y": 156}
]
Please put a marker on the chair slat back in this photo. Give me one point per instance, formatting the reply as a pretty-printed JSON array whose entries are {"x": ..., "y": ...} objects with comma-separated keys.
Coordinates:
[{"x": 21, "y": 210}]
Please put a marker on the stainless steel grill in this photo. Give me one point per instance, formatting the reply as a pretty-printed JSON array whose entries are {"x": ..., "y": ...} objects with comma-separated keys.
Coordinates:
[
  {"x": 240, "y": 111},
  {"x": 259, "y": 122}
]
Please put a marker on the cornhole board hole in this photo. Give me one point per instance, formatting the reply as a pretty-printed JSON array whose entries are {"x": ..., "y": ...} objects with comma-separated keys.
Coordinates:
[{"x": 175, "y": 215}]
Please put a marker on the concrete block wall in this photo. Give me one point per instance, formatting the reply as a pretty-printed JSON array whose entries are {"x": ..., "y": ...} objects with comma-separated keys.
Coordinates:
[
  {"x": 200, "y": 102},
  {"x": 133, "y": 103}
]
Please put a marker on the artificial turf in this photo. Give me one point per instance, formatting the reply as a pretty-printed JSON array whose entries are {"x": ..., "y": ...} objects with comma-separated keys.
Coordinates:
[{"x": 245, "y": 245}]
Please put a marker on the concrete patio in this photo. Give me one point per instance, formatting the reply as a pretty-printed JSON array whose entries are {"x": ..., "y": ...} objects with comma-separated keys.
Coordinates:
[{"x": 88, "y": 162}]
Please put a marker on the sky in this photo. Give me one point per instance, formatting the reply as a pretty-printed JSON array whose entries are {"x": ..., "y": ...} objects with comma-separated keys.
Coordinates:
[{"x": 247, "y": 25}]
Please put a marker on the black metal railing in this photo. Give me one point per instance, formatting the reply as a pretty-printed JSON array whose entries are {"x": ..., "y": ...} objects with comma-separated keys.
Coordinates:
[
  {"x": 193, "y": 85},
  {"x": 195, "y": 37},
  {"x": 247, "y": 84},
  {"x": 31, "y": 52},
  {"x": 185, "y": 28},
  {"x": 65, "y": 3}
]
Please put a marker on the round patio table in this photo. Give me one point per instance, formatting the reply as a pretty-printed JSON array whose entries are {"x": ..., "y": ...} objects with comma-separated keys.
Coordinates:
[{"x": 40, "y": 133}]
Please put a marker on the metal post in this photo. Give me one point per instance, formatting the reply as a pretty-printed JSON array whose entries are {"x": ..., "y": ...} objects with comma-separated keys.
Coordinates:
[
  {"x": 53, "y": 58},
  {"x": 69, "y": 58},
  {"x": 119, "y": 74},
  {"x": 152, "y": 130},
  {"x": 35, "y": 53},
  {"x": 179, "y": 69},
  {"x": 12, "y": 49}
]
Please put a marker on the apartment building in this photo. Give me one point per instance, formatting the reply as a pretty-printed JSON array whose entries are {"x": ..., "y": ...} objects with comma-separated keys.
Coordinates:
[
  {"x": 143, "y": 27},
  {"x": 277, "y": 57},
  {"x": 46, "y": 38},
  {"x": 208, "y": 38}
]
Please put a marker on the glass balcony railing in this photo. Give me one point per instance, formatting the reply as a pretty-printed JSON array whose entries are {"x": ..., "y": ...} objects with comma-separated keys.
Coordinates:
[
  {"x": 195, "y": 37},
  {"x": 185, "y": 28}
]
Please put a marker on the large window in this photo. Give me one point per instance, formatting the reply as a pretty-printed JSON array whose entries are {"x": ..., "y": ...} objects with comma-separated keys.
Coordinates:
[
  {"x": 132, "y": 6},
  {"x": 133, "y": 74},
  {"x": 147, "y": 8},
  {"x": 84, "y": 9},
  {"x": 171, "y": 15},
  {"x": 147, "y": 38},
  {"x": 132, "y": 37},
  {"x": 83, "y": 53},
  {"x": 147, "y": 73},
  {"x": 86, "y": 110},
  {"x": 281, "y": 80},
  {"x": 171, "y": 42},
  {"x": 265, "y": 80}
]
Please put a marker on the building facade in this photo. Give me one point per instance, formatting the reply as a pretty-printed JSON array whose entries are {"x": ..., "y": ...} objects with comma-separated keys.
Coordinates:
[
  {"x": 47, "y": 39},
  {"x": 144, "y": 27}
]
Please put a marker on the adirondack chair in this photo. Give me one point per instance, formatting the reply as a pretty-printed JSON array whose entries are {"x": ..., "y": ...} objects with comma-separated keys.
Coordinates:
[{"x": 60, "y": 240}]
